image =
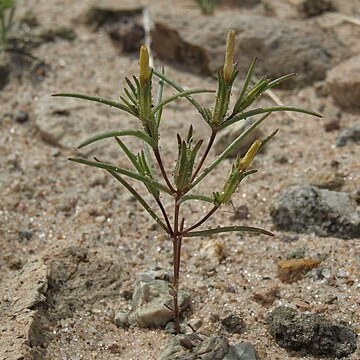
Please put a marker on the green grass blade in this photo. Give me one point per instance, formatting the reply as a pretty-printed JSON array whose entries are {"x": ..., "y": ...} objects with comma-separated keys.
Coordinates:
[
  {"x": 137, "y": 133},
  {"x": 122, "y": 171},
  {"x": 258, "y": 111},
  {"x": 226, "y": 229},
  {"x": 111, "y": 103},
  {"x": 140, "y": 199},
  {"x": 179, "y": 95}
]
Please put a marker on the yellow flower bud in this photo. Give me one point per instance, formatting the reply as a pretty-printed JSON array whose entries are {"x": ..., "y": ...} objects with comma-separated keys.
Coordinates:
[
  {"x": 144, "y": 66},
  {"x": 229, "y": 56},
  {"x": 249, "y": 156}
]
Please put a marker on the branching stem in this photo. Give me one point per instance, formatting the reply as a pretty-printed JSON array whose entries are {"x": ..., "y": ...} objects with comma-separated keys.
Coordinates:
[{"x": 208, "y": 147}]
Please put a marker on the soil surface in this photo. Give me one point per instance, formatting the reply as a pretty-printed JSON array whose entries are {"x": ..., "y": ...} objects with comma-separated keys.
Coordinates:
[{"x": 72, "y": 240}]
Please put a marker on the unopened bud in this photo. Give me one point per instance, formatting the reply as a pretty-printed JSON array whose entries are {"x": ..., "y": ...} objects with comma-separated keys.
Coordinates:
[
  {"x": 245, "y": 162},
  {"x": 229, "y": 56},
  {"x": 144, "y": 66}
]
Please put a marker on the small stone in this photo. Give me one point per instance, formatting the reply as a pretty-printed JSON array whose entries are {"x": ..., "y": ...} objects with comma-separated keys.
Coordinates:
[
  {"x": 268, "y": 296},
  {"x": 25, "y": 234},
  {"x": 351, "y": 134},
  {"x": 293, "y": 270},
  {"x": 13, "y": 261},
  {"x": 195, "y": 347},
  {"x": 233, "y": 324},
  {"x": 121, "y": 319},
  {"x": 100, "y": 219},
  {"x": 332, "y": 125},
  {"x": 310, "y": 333},
  {"x": 326, "y": 179},
  {"x": 21, "y": 116},
  {"x": 151, "y": 294},
  {"x": 243, "y": 351}
]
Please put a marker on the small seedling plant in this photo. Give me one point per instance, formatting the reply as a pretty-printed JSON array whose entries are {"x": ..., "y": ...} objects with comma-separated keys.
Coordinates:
[{"x": 148, "y": 166}]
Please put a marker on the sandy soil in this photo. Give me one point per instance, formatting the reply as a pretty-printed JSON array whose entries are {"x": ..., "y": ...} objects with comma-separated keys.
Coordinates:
[{"x": 65, "y": 205}]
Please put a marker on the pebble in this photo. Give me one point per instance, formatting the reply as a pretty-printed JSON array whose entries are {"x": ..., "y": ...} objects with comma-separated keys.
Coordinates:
[
  {"x": 25, "y": 234},
  {"x": 310, "y": 333},
  {"x": 21, "y": 116},
  {"x": 100, "y": 219},
  {"x": 292, "y": 270},
  {"x": 233, "y": 324},
  {"x": 351, "y": 134}
]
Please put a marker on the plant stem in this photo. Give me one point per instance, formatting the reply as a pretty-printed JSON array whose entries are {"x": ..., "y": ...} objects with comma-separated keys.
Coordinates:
[
  {"x": 200, "y": 222},
  {"x": 163, "y": 172},
  {"x": 208, "y": 147},
  {"x": 177, "y": 238},
  {"x": 166, "y": 218}
]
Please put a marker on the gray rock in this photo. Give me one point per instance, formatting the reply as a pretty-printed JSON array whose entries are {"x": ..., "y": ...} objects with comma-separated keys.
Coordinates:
[
  {"x": 310, "y": 333},
  {"x": 307, "y": 209},
  {"x": 151, "y": 294},
  {"x": 21, "y": 294},
  {"x": 228, "y": 135},
  {"x": 243, "y": 351},
  {"x": 194, "y": 347},
  {"x": 233, "y": 324},
  {"x": 184, "y": 39},
  {"x": 122, "y": 21},
  {"x": 21, "y": 116},
  {"x": 344, "y": 83},
  {"x": 352, "y": 134},
  {"x": 122, "y": 319}
]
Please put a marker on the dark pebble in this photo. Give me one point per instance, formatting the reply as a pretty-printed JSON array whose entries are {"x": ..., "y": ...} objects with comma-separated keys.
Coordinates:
[
  {"x": 25, "y": 234},
  {"x": 21, "y": 117}
]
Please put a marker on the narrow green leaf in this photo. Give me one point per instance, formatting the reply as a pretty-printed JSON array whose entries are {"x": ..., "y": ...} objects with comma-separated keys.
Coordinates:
[
  {"x": 196, "y": 197},
  {"x": 281, "y": 79},
  {"x": 228, "y": 229},
  {"x": 179, "y": 95},
  {"x": 246, "y": 83},
  {"x": 267, "y": 139},
  {"x": 159, "y": 96},
  {"x": 111, "y": 103},
  {"x": 137, "y": 133},
  {"x": 122, "y": 171},
  {"x": 128, "y": 153},
  {"x": 131, "y": 87},
  {"x": 140, "y": 199},
  {"x": 258, "y": 111}
]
